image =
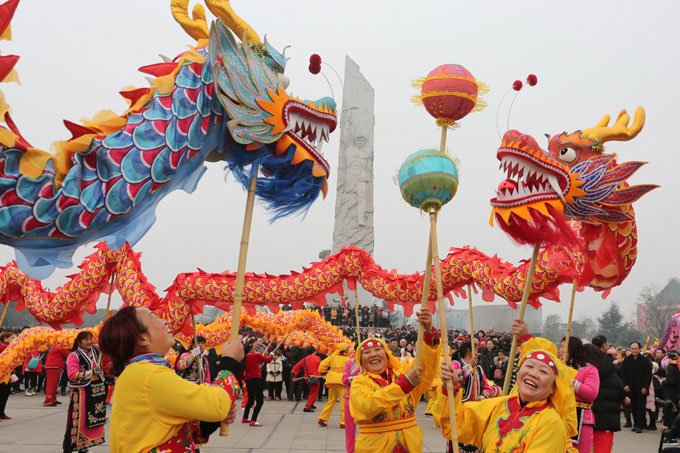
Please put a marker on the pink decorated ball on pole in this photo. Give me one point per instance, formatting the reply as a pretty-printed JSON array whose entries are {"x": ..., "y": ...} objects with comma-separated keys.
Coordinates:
[{"x": 449, "y": 92}]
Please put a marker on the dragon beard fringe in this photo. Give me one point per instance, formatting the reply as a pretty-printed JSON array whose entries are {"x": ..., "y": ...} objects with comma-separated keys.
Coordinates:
[{"x": 286, "y": 189}]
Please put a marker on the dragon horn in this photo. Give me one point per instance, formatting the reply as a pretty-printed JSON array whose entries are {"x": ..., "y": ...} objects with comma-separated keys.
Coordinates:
[
  {"x": 619, "y": 131},
  {"x": 196, "y": 25},
  {"x": 223, "y": 10}
]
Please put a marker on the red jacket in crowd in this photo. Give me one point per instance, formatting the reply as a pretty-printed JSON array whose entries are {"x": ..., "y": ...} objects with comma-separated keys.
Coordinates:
[
  {"x": 309, "y": 364},
  {"x": 252, "y": 367},
  {"x": 56, "y": 358}
]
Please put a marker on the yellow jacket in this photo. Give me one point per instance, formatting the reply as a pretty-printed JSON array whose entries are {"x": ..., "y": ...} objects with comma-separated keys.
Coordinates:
[
  {"x": 385, "y": 414},
  {"x": 336, "y": 363},
  {"x": 501, "y": 425},
  {"x": 151, "y": 403}
]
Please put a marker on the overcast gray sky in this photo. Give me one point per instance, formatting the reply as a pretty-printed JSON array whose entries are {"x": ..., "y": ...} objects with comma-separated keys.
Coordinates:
[{"x": 591, "y": 58}]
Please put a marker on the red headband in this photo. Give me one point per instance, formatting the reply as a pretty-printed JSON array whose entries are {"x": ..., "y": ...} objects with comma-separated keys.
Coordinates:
[
  {"x": 371, "y": 344},
  {"x": 544, "y": 357}
]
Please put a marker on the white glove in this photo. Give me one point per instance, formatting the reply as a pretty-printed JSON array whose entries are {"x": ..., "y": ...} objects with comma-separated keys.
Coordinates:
[{"x": 196, "y": 351}]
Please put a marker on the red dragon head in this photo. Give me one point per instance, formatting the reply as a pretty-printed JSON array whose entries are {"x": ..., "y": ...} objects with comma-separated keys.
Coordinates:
[{"x": 574, "y": 178}]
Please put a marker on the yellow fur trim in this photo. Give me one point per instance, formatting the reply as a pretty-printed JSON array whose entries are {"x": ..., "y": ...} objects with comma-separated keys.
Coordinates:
[
  {"x": 7, "y": 138},
  {"x": 420, "y": 81},
  {"x": 141, "y": 102},
  {"x": 4, "y": 107},
  {"x": 33, "y": 162},
  {"x": 13, "y": 76},
  {"x": 105, "y": 122},
  {"x": 7, "y": 34}
]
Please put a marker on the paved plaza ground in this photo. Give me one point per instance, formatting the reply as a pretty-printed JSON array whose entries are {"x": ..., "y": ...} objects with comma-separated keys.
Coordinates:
[{"x": 38, "y": 429}]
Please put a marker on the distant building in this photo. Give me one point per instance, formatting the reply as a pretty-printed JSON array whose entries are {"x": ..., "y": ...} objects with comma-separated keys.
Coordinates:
[
  {"x": 670, "y": 300},
  {"x": 499, "y": 317}
]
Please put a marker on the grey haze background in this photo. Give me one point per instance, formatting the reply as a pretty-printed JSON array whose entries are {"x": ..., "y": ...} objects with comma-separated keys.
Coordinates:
[{"x": 591, "y": 58}]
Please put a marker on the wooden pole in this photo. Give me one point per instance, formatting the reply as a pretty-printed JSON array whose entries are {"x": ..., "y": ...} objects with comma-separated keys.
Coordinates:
[
  {"x": 241, "y": 272},
  {"x": 242, "y": 257},
  {"x": 565, "y": 349},
  {"x": 108, "y": 301},
  {"x": 522, "y": 309},
  {"x": 441, "y": 310},
  {"x": 423, "y": 302},
  {"x": 284, "y": 341},
  {"x": 442, "y": 140},
  {"x": 4, "y": 312},
  {"x": 356, "y": 310},
  {"x": 472, "y": 342}
]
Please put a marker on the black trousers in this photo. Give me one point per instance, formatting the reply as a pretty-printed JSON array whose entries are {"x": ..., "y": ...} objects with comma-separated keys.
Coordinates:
[
  {"x": 637, "y": 409},
  {"x": 298, "y": 389},
  {"x": 4, "y": 396},
  {"x": 41, "y": 381},
  {"x": 255, "y": 396},
  {"x": 275, "y": 389},
  {"x": 287, "y": 381},
  {"x": 31, "y": 380},
  {"x": 63, "y": 380}
]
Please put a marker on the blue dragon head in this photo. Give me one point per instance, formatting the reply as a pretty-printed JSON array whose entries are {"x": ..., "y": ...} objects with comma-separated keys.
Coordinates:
[{"x": 267, "y": 126}]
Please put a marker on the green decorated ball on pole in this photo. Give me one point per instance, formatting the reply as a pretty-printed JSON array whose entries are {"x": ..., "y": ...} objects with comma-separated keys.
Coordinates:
[{"x": 428, "y": 179}]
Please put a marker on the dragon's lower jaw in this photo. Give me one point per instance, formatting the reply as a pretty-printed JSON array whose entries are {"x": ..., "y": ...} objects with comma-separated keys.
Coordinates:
[
  {"x": 533, "y": 226},
  {"x": 303, "y": 151}
]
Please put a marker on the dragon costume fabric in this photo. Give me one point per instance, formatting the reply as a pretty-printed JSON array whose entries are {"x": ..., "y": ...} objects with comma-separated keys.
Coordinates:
[
  {"x": 225, "y": 100},
  {"x": 221, "y": 100},
  {"x": 300, "y": 328},
  {"x": 576, "y": 178},
  {"x": 671, "y": 337},
  {"x": 587, "y": 185}
]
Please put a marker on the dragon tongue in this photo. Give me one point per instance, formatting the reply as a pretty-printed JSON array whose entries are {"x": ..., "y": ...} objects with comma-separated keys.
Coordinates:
[{"x": 508, "y": 184}]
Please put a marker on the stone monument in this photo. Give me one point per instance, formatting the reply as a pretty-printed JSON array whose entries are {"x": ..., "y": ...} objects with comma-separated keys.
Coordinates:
[{"x": 354, "y": 195}]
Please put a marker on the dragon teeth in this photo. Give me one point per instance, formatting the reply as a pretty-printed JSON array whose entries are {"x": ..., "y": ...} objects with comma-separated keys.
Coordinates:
[{"x": 552, "y": 180}]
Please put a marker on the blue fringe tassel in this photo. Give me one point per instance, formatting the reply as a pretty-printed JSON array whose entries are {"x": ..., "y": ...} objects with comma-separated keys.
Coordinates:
[{"x": 285, "y": 189}]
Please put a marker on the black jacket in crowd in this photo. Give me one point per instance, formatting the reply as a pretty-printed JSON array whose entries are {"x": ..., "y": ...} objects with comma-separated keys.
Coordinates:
[
  {"x": 607, "y": 405},
  {"x": 671, "y": 385},
  {"x": 486, "y": 361},
  {"x": 637, "y": 374}
]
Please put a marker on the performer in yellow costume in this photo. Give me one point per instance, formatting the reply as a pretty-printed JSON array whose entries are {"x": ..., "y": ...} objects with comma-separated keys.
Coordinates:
[
  {"x": 537, "y": 417},
  {"x": 334, "y": 364},
  {"x": 431, "y": 394},
  {"x": 384, "y": 397}
]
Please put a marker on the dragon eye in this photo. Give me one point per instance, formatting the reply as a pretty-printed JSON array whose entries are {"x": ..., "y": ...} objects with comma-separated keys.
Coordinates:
[{"x": 567, "y": 155}]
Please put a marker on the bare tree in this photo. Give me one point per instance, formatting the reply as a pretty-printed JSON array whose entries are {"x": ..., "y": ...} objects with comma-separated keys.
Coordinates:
[
  {"x": 552, "y": 327},
  {"x": 659, "y": 310}
]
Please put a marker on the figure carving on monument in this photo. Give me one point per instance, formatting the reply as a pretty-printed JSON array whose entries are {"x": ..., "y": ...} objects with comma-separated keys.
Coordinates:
[
  {"x": 360, "y": 182},
  {"x": 354, "y": 199}
]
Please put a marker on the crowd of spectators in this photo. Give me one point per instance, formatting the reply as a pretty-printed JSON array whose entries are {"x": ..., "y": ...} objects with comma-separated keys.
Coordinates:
[{"x": 649, "y": 381}]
